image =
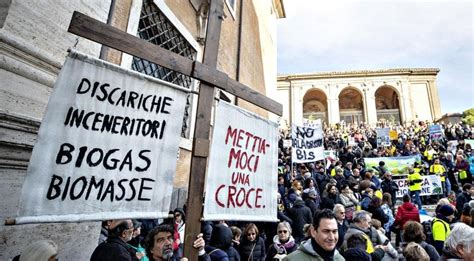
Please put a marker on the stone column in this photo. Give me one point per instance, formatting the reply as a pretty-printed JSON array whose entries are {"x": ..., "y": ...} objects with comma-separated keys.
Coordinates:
[
  {"x": 405, "y": 106},
  {"x": 333, "y": 112},
  {"x": 297, "y": 105},
  {"x": 369, "y": 98},
  {"x": 435, "y": 103}
]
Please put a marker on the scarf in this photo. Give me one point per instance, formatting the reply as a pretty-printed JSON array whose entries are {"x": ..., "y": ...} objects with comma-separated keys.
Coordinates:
[{"x": 326, "y": 255}]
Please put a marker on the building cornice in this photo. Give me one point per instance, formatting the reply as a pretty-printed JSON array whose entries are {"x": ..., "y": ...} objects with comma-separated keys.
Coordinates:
[{"x": 359, "y": 73}]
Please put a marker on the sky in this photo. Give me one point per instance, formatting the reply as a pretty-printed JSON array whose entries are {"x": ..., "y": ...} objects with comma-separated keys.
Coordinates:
[{"x": 343, "y": 35}]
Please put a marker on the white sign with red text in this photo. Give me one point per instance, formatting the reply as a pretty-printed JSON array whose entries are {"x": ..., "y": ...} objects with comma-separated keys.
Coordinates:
[{"x": 242, "y": 175}]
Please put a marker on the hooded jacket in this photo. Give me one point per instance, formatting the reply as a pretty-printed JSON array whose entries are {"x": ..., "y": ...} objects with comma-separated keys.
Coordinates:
[
  {"x": 306, "y": 252},
  {"x": 221, "y": 238},
  {"x": 301, "y": 215},
  {"x": 406, "y": 212}
]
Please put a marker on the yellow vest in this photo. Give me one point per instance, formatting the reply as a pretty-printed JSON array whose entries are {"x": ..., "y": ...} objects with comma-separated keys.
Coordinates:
[
  {"x": 439, "y": 170},
  {"x": 415, "y": 180},
  {"x": 369, "y": 245},
  {"x": 440, "y": 230}
]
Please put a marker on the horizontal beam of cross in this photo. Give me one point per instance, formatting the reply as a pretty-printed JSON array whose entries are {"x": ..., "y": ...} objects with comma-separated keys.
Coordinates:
[{"x": 92, "y": 29}]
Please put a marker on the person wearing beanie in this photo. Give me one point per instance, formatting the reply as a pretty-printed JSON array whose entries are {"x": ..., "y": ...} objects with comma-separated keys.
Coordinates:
[{"x": 440, "y": 226}]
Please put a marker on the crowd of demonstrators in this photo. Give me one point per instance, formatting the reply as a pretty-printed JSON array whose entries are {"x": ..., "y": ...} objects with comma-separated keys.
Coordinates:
[{"x": 336, "y": 208}]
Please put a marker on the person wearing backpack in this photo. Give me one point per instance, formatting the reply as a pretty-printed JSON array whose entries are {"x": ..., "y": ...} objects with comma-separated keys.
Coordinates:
[{"x": 440, "y": 226}]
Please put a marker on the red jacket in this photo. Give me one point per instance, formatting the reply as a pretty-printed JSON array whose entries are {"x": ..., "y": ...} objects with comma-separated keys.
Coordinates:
[{"x": 406, "y": 212}]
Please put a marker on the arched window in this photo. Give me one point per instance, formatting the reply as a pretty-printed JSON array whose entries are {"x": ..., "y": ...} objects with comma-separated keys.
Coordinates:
[
  {"x": 315, "y": 105},
  {"x": 387, "y": 104},
  {"x": 351, "y": 106}
]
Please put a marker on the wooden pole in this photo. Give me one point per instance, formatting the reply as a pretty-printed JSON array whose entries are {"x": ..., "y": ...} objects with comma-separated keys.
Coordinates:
[{"x": 201, "y": 133}]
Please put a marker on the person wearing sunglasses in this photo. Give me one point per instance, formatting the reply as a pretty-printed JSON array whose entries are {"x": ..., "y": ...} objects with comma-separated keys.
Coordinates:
[
  {"x": 115, "y": 247},
  {"x": 283, "y": 243}
]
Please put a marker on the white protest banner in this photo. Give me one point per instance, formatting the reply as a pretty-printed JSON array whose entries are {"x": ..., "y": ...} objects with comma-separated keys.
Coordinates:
[
  {"x": 106, "y": 147},
  {"x": 287, "y": 143},
  {"x": 308, "y": 144},
  {"x": 242, "y": 175},
  {"x": 383, "y": 136},
  {"x": 431, "y": 186},
  {"x": 315, "y": 124}
]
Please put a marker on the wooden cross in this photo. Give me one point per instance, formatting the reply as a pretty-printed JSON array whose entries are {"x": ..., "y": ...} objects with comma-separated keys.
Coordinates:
[{"x": 210, "y": 78}]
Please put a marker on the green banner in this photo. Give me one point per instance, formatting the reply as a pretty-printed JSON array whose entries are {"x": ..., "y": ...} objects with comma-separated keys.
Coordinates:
[{"x": 396, "y": 165}]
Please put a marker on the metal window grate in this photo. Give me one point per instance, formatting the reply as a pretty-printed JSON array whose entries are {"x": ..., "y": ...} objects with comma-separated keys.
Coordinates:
[{"x": 157, "y": 29}]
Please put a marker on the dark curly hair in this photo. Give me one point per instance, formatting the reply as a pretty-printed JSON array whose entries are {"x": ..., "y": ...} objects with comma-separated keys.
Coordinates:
[{"x": 150, "y": 238}]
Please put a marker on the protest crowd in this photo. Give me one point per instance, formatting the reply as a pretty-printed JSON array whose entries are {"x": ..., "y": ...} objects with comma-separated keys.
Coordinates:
[{"x": 337, "y": 208}]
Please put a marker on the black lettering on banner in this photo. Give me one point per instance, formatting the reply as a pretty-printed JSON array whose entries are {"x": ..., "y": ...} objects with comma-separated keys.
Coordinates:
[
  {"x": 55, "y": 184},
  {"x": 109, "y": 190},
  {"x": 303, "y": 132},
  {"x": 83, "y": 82},
  {"x": 96, "y": 185},
  {"x": 108, "y": 159},
  {"x": 142, "y": 188},
  {"x": 122, "y": 189},
  {"x": 147, "y": 160},
  {"x": 73, "y": 188},
  {"x": 64, "y": 151},
  {"x": 133, "y": 190}
]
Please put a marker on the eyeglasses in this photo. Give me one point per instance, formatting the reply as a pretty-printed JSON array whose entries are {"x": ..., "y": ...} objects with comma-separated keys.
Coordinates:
[
  {"x": 177, "y": 215},
  {"x": 342, "y": 212},
  {"x": 282, "y": 231}
]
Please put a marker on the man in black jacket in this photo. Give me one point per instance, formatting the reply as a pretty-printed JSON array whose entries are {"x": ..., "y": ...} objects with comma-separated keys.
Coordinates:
[
  {"x": 301, "y": 215},
  {"x": 389, "y": 186},
  {"x": 464, "y": 197},
  {"x": 115, "y": 247}
]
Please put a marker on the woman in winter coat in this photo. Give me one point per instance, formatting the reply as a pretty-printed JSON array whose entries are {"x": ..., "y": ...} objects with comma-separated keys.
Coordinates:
[
  {"x": 348, "y": 200},
  {"x": 376, "y": 210},
  {"x": 252, "y": 246},
  {"x": 283, "y": 242},
  {"x": 331, "y": 199},
  {"x": 387, "y": 209}
]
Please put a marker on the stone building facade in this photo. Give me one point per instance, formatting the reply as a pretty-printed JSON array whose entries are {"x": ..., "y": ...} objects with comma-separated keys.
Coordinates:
[
  {"x": 33, "y": 46},
  {"x": 395, "y": 95}
]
